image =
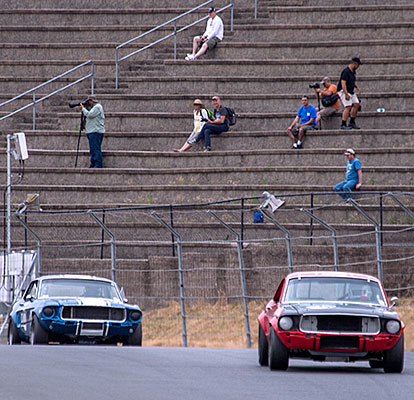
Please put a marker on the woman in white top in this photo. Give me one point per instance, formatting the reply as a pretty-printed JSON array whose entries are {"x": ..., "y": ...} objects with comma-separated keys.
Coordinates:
[{"x": 200, "y": 118}]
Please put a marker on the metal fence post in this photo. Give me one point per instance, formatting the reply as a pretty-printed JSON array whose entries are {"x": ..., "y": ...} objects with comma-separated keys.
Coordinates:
[
  {"x": 287, "y": 237},
  {"x": 113, "y": 243},
  {"x": 175, "y": 40},
  {"x": 311, "y": 222},
  {"x": 172, "y": 226},
  {"x": 255, "y": 9},
  {"x": 180, "y": 275},
  {"x": 38, "y": 269},
  {"x": 116, "y": 68},
  {"x": 242, "y": 277},
  {"x": 377, "y": 235},
  {"x": 232, "y": 16},
  {"x": 93, "y": 79},
  {"x": 34, "y": 111},
  {"x": 330, "y": 228}
]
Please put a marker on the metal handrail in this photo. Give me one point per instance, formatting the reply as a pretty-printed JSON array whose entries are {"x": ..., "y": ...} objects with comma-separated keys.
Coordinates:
[
  {"x": 118, "y": 60},
  {"x": 33, "y": 90}
]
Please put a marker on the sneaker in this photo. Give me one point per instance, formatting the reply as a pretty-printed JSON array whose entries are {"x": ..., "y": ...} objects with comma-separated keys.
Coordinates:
[
  {"x": 208, "y": 148},
  {"x": 295, "y": 146},
  {"x": 189, "y": 57},
  {"x": 345, "y": 127},
  {"x": 299, "y": 146},
  {"x": 353, "y": 125}
]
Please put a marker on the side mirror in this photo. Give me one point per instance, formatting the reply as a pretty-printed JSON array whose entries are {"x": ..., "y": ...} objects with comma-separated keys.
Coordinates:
[
  {"x": 394, "y": 301},
  {"x": 123, "y": 295},
  {"x": 29, "y": 297}
]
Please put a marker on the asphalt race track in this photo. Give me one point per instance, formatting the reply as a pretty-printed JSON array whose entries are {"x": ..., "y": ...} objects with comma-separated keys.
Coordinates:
[{"x": 156, "y": 373}]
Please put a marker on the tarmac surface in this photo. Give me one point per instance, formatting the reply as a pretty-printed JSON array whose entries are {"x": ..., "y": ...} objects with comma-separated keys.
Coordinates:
[{"x": 158, "y": 373}]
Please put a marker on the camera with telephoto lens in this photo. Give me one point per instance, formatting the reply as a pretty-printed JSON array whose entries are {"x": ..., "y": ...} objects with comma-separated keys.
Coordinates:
[
  {"x": 315, "y": 85},
  {"x": 73, "y": 105}
]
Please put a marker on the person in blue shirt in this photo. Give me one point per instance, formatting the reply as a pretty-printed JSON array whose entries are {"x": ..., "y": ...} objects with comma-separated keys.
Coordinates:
[
  {"x": 305, "y": 121},
  {"x": 353, "y": 176}
]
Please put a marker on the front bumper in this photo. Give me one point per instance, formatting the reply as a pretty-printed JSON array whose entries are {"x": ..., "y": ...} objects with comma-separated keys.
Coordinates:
[{"x": 338, "y": 343}]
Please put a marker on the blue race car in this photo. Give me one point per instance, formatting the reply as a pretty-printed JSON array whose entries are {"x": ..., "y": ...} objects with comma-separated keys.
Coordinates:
[{"x": 74, "y": 309}]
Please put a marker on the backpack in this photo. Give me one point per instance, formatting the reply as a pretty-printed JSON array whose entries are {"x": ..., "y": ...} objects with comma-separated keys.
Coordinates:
[
  {"x": 231, "y": 115},
  {"x": 330, "y": 100},
  {"x": 209, "y": 113}
]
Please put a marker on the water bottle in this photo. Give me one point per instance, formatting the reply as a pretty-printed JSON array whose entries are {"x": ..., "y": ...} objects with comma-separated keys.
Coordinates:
[{"x": 380, "y": 109}]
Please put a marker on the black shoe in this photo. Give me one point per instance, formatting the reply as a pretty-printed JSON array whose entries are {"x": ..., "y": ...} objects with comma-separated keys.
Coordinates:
[
  {"x": 345, "y": 127},
  {"x": 353, "y": 125},
  {"x": 299, "y": 145},
  {"x": 208, "y": 148}
]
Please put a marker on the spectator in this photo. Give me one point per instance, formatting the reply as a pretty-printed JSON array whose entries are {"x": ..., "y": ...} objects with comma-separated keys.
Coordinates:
[
  {"x": 353, "y": 176},
  {"x": 328, "y": 89},
  {"x": 200, "y": 118},
  {"x": 94, "y": 129},
  {"x": 305, "y": 120},
  {"x": 218, "y": 125},
  {"x": 346, "y": 89},
  {"x": 210, "y": 38}
]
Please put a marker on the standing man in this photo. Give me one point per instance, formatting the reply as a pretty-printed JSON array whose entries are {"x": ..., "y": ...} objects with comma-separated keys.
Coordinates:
[
  {"x": 305, "y": 120},
  {"x": 347, "y": 87},
  {"x": 328, "y": 89},
  {"x": 95, "y": 129},
  {"x": 210, "y": 38},
  {"x": 353, "y": 176}
]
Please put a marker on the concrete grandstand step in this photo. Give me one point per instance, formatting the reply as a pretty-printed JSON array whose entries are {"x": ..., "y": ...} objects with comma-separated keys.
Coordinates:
[
  {"x": 268, "y": 157},
  {"x": 248, "y": 174},
  {"x": 322, "y": 31},
  {"x": 158, "y": 122},
  {"x": 242, "y": 140},
  {"x": 239, "y": 84},
  {"x": 291, "y": 67},
  {"x": 343, "y": 13},
  {"x": 150, "y": 194}
]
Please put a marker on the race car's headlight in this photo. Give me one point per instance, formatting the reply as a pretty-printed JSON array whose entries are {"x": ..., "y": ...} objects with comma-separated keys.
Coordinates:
[
  {"x": 135, "y": 315},
  {"x": 285, "y": 323},
  {"x": 48, "y": 312},
  {"x": 392, "y": 326}
]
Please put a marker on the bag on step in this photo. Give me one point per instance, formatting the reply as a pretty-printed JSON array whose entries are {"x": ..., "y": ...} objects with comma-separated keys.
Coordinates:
[
  {"x": 330, "y": 100},
  {"x": 232, "y": 116}
]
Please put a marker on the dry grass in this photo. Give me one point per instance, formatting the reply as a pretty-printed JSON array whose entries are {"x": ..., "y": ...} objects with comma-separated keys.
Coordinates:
[{"x": 222, "y": 325}]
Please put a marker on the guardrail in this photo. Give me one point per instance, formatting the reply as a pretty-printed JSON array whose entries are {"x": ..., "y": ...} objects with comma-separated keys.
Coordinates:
[
  {"x": 33, "y": 91},
  {"x": 173, "y": 20}
]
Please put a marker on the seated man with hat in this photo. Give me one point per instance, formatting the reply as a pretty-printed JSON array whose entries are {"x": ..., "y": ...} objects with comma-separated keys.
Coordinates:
[
  {"x": 353, "y": 176},
  {"x": 210, "y": 38}
]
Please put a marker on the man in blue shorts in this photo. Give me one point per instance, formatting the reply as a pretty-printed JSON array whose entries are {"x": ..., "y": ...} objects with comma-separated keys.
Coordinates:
[
  {"x": 305, "y": 121},
  {"x": 353, "y": 176}
]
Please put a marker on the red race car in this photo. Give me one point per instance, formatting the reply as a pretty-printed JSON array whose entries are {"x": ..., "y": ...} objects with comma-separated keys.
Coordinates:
[{"x": 331, "y": 316}]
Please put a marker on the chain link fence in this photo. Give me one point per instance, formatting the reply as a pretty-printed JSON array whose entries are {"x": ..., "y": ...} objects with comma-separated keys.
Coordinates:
[{"x": 203, "y": 272}]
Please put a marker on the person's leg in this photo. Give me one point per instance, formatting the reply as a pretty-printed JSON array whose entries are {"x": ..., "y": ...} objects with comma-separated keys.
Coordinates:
[
  {"x": 183, "y": 148},
  {"x": 196, "y": 43},
  {"x": 354, "y": 112},
  {"x": 326, "y": 113},
  {"x": 213, "y": 129},
  {"x": 98, "y": 151},
  {"x": 92, "y": 149},
  {"x": 201, "y": 51},
  {"x": 339, "y": 188},
  {"x": 344, "y": 189}
]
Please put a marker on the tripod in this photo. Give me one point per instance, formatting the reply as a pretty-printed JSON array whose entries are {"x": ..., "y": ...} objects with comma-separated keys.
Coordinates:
[{"x": 81, "y": 128}]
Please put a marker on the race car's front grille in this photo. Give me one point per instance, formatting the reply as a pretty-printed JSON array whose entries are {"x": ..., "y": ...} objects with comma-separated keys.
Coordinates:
[
  {"x": 339, "y": 342},
  {"x": 93, "y": 313},
  {"x": 338, "y": 323}
]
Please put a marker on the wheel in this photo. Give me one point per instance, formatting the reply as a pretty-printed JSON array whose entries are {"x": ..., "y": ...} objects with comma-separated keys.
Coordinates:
[
  {"x": 394, "y": 358},
  {"x": 263, "y": 348},
  {"x": 136, "y": 338},
  {"x": 278, "y": 353},
  {"x": 376, "y": 364},
  {"x": 13, "y": 334},
  {"x": 37, "y": 334}
]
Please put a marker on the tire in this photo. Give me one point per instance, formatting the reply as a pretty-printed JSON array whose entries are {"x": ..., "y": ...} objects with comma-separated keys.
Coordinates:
[
  {"x": 263, "y": 348},
  {"x": 376, "y": 364},
  {"x": 136, "y": 338},
  {"x": 37, "y": 334},
  {"x": 13, "y": 334},
  {"x": 394, "y": 358},
  {"x": 278, "y": 353}
]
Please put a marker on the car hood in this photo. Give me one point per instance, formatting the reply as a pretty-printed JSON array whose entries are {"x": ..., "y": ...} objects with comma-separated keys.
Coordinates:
[
  {"x": 83, "y": 301},
  {"x": 341, "y": 308}
]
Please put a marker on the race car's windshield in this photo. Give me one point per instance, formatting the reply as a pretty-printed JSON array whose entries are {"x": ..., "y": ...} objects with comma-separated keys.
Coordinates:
[
  {"x": 333, "y": 289},
  {"x": 77, "y": 288}
]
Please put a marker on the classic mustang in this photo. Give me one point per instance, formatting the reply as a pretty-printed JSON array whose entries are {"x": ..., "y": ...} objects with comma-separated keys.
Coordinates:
[
  {"x": 331, "y": 316},
  {"x": 73, "y": 309}
]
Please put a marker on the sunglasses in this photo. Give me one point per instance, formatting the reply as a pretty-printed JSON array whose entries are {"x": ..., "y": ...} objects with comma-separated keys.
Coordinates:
[{"x": 196, "y": 104}]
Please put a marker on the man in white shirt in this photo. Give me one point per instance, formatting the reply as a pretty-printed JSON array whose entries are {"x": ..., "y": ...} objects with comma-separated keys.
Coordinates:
[{"x": 210, "y": 38}]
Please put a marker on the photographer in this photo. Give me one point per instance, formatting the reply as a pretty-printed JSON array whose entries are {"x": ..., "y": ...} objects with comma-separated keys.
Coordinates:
[
  {"x": 94, "y": 129},
  {"x": 330, "y": 102}
]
